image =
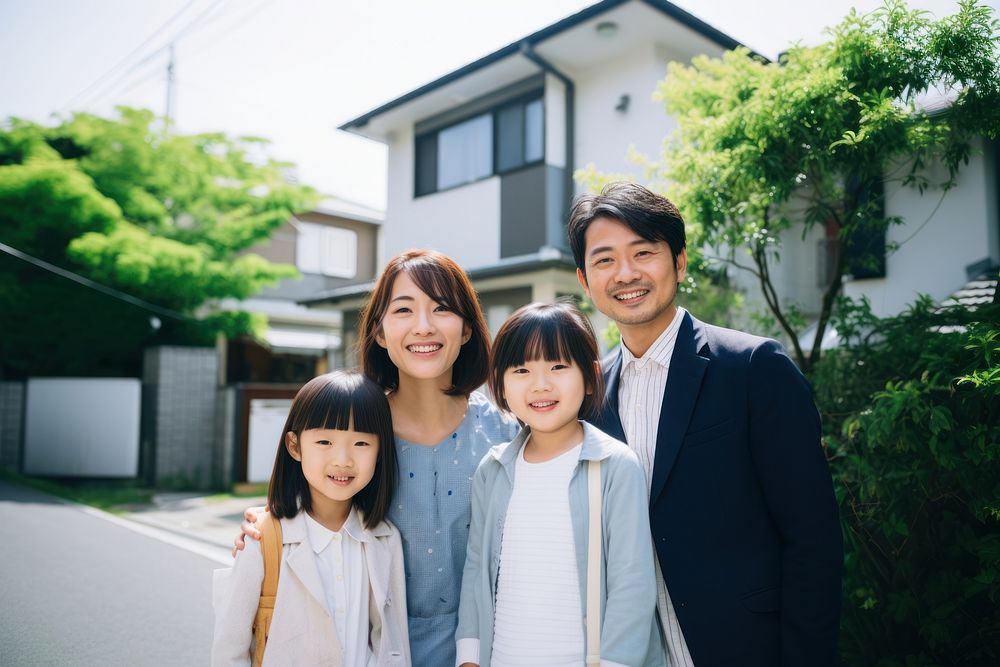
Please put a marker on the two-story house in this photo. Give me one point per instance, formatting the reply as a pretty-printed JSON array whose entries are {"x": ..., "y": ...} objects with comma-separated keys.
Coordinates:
[
  {"x": 481, "y": 160},
  {"x": 480, "y": 165}
]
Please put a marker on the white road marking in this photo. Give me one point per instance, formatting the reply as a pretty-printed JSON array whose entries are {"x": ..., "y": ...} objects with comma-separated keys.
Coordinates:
[{"x": 216, "y": 554}]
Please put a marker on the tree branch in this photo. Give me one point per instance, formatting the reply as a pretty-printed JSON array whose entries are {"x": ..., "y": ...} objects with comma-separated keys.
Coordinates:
[{"x": 771, "y": 297}]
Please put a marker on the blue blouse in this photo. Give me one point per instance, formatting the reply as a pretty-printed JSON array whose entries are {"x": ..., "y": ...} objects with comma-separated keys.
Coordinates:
[{"x": 431, "y": 509}]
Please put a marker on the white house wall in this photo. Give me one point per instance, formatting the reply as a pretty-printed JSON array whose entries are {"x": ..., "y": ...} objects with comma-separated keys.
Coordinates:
[
  {"x": 555, "y": 122},
  {"x": 604, "y": 134},
  {"x": 463, "y": 222},
  {"x": 932, "y": 257}
]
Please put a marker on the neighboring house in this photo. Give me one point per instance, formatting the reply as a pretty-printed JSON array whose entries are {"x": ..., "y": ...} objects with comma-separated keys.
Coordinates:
[
  {"x": 480, "y": 161},
  {"x": 333, "y": 246},
  {"x": 201, "y": 417},
  {"x": 946, "y": 240}
]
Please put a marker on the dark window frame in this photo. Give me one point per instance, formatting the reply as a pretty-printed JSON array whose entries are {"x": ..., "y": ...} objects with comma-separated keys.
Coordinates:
[
  {"x": 429, "y": 138},
  {"x": 865, "y": 249}
]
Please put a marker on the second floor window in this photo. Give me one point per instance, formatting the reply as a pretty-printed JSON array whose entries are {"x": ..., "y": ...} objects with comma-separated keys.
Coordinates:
[
  {"x": 330, "y": 251},
  {"x": 505, "y": 138}
]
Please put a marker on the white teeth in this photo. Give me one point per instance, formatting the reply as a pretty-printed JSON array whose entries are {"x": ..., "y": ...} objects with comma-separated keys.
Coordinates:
[
  {"x": 543, "y": 404},
  {"x": 340, "y": 479},
  {"x": 630, "y": 295},
  {"x": 424, "y": 348}
]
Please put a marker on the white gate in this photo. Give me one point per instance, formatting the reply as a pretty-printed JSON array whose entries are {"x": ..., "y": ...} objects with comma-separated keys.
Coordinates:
[
  {"x": 82, "y": 427},
  {"x": 267, "y": 418}
]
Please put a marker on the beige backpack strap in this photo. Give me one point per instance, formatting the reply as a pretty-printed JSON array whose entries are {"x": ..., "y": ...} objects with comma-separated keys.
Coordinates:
[
  {"x": 270, "y": 547},
  {"x": 594, "y": 564}
]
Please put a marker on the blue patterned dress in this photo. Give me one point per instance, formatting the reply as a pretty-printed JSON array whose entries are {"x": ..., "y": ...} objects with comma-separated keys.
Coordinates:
[{"x": 432, "y": 508}]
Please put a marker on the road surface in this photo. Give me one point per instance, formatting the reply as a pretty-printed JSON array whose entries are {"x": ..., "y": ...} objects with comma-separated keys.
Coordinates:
[{"x": 81, "y": 589}]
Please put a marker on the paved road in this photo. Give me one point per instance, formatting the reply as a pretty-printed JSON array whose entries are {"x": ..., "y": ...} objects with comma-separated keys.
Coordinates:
[{"x": 78, "y": 589}]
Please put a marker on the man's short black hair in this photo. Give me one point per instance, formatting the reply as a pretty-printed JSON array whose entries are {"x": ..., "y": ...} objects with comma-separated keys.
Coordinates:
[{"x": 646, "y": 213}]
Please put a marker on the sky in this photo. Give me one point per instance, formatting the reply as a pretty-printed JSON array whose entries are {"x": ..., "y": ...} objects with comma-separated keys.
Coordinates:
[{"x": 291, "y": 71}]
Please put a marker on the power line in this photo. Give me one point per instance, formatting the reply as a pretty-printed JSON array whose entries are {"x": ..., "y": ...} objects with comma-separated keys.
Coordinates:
[
  {"x": 130, "y": 54},
  {"x": 233, "y": 26},
  {"x": 106, "y": 90},
  {"x": 87, "y": 282},
  {"x": 229, "y": 28}
]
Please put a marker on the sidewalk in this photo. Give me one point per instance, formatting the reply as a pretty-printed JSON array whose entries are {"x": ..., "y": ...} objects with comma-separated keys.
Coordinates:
[{"x": 208, "y": 519}]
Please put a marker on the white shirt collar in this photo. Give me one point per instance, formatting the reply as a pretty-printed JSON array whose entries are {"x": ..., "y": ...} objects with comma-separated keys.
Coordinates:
[
  {"x": 320, "y": 536},
  {"x": 661, "y": 349}
]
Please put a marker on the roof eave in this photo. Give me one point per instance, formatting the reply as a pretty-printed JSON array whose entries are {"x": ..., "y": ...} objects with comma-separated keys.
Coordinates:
[{"x": 671, "y": 10}]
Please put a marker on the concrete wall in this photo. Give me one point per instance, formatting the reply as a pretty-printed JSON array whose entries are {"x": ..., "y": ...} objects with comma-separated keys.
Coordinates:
[
  {"x": 11, "y": 423},
  {"x": 180, "y": 416},
  {"x": 226, "y": 428}
]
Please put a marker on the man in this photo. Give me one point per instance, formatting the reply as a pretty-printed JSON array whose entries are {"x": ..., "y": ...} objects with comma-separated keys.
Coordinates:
[{"x": 742, "y": 510}]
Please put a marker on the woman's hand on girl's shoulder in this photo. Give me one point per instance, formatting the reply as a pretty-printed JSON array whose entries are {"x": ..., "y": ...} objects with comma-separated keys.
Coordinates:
[{"x": 248, "y": 528}]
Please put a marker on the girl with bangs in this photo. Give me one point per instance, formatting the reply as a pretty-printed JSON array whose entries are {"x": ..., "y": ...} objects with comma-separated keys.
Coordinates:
[
  {"x": 525, "y": 575},
  {"x": 423, "y": 338},
  {"x": 341, "y": 592}
]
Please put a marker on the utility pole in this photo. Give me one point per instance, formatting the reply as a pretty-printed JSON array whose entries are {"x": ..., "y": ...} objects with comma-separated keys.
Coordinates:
[{"x": 168, "y": 116}]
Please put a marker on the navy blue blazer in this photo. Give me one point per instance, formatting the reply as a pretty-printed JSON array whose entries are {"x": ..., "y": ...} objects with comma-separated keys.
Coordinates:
[{"x": 742, "y": 509}]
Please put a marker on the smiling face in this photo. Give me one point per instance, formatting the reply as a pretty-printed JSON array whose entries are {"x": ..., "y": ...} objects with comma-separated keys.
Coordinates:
[
  {"x": 545, "y": 395},
  {"x": 630, "y": 279},
  {"x": 421, "y": 336},
  {"x": 336, "y": 464}
]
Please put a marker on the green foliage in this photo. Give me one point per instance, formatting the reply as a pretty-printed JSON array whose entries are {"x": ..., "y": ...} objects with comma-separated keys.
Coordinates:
[
  {"x": 764, "y": 147},
  {"x": 911, "y": 406},
  {"x": 164, "y": 217}
]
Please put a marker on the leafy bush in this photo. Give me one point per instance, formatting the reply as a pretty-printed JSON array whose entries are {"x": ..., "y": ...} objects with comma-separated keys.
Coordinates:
[{"x": 912, "y": 410}]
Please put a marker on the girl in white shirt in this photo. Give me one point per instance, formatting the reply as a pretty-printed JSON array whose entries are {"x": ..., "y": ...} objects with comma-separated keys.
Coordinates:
[
  {"x": 341, "y": 596},
  {"x": 524, "y": 581}
]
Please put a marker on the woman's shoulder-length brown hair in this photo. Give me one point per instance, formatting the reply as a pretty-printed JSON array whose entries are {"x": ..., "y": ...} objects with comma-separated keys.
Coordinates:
[{"x": 440, "y": 278}]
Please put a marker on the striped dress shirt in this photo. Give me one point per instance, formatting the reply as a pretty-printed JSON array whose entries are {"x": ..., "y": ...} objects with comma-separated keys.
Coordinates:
[{"x": 640, "y": 397}]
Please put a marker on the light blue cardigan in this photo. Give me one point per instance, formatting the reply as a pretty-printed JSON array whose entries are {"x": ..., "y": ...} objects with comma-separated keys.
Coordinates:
[{"x": 629, "y": 631}]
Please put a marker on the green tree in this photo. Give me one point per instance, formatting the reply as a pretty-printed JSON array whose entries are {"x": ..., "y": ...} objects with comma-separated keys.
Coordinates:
[
  {"x": 160, "y": 216},
  {"x": 911, "y": 409},
  {"x": 812, "y": 139}
]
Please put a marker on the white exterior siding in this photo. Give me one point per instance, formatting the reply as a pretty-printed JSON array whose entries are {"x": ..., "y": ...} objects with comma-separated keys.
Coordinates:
[
  {"x": 933, "y": 260},
  {"x": 930, "y": 260},
  {"x": 795, "y": 276},
  {"x": 463, "y": 222},
  {"x": 555, "y": 122},
  {"x": 603, "y": 134}
]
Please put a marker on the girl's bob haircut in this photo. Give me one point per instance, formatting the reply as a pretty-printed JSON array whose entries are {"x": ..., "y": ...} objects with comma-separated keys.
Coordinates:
[
  {"x": 553, "y": 332},
  {"x": 331, "y": 401},
  {"x": 440, "y": 278}
]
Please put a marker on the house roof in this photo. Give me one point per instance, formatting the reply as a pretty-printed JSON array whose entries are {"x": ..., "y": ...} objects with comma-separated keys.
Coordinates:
[
  {"x": 979, "y": 291},
  {"x": 667, "y": 8},
  {"x": 344, "y": 208},
  {"x": 546, "y": 258}
]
